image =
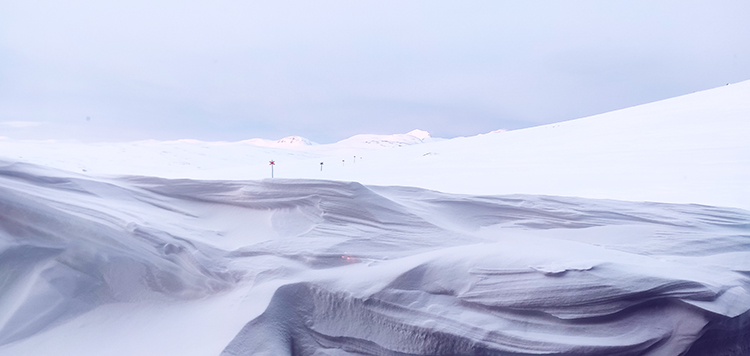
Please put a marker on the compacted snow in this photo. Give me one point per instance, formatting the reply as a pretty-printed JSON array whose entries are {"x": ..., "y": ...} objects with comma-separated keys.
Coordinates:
[
  {"x": 111, "y": 251},
  {"x": 151, "y": 266}
]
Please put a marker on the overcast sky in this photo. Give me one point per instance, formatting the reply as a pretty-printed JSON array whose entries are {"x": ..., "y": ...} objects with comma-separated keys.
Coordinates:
[{"x": 231, "y": 70}]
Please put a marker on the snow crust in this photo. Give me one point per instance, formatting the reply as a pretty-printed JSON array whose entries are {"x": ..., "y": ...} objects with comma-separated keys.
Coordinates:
[{"x": 312, "y": 267}]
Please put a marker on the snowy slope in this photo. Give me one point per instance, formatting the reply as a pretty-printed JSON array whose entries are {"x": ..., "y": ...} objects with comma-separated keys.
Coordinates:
[
  {"x": 102, "y": 254},
  {"x": 150, "y": 266},
  {"x": 690, "y": 149}
]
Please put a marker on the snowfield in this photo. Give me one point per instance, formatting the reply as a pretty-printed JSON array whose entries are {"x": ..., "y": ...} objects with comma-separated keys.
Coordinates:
[
  {"x": 625, "y": 233},
  {"x": 689, "y": 149}
]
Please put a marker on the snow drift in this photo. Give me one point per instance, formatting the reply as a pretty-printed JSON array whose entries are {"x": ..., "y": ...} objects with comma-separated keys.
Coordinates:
[
  {"x": 134, "y": 264},
  {"x": 310, "y": 267}
]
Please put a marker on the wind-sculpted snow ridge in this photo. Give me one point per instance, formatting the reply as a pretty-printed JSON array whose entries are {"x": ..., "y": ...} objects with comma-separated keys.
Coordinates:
[
  {"x": 64, "y": 251},
  {"x": 336, "y": 268}
]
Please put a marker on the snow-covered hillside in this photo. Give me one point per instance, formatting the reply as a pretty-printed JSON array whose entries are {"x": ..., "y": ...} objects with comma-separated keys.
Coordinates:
[
  {"x": 286, "y": 142},
  {"x": 413, "y": 137},
  {"x": 108, "y": 249},
  {"x": 690, "y": 149}
]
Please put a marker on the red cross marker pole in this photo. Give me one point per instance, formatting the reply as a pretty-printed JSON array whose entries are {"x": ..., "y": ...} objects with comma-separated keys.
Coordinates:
[{"x": 272, "y": 163}]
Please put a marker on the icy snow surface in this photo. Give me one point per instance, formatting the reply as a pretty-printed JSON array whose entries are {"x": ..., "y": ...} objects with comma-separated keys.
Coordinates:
[{"x": 97, "y": 261}]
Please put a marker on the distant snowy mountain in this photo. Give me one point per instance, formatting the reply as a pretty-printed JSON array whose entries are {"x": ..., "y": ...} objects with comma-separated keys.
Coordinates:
[
  {"x": 495, "y": 132},
  {"x": 420, "y": 134},
  {"x": 358, "y": 141},
  {"x": 388, "y": 141},
  {"x": 286, "y": 142}
]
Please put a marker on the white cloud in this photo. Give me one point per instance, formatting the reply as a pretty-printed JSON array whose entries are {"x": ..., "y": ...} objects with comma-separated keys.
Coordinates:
[
  {"x": 20, "y": 124},
  {"x": 232, "y": 70}
]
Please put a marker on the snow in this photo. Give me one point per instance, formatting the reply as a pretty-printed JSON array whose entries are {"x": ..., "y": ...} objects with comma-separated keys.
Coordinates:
[
  {"x": 420, "y": 134},
  {"x": 286, "y": 142},
  {"x": 689, "y": 149},
  {"x": 569, "y": 238},
  {"x": 413, "y": 137}
]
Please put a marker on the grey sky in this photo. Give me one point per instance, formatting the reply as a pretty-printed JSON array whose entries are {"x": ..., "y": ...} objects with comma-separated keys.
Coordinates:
[{"x": 232, "y": 70}]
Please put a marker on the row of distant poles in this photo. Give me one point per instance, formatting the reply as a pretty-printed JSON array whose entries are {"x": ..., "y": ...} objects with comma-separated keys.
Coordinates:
[{"x": 273, "y": 163}]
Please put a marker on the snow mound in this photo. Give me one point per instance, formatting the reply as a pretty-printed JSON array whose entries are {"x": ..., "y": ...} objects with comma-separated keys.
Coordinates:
[{"x": 314, "y": 267}]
